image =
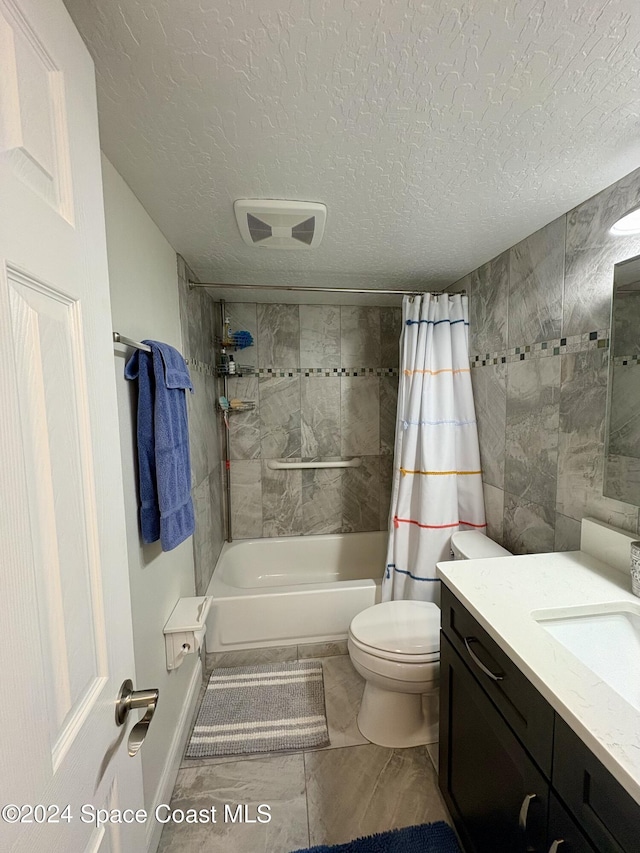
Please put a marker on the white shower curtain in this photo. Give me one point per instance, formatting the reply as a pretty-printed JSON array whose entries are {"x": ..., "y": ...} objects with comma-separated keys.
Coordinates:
[{"x": 437, "y": 481}]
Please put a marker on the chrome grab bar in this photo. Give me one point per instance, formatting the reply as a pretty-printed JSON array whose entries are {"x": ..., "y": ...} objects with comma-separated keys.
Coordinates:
[{"x": 290, "y": 466}]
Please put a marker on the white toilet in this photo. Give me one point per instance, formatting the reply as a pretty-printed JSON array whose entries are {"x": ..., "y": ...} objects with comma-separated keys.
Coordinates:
[{"x": 395, "y": 646}]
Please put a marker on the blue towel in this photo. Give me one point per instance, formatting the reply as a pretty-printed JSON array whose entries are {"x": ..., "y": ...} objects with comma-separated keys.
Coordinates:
[{"x": 166, "y": 509}]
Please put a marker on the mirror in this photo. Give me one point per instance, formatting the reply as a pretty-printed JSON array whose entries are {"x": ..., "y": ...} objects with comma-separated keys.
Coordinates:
[{"x": 622, "y": 443}]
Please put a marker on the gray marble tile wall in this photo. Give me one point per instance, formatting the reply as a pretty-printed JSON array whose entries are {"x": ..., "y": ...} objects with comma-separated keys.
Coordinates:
[
  {"x": 326, "y": 389},
  {"x": 199, "y": 320},
  {"x": 539, "y": 321}
]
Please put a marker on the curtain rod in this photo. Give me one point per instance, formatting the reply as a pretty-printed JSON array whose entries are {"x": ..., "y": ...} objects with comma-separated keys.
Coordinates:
[{"x": 298, "y": 289}]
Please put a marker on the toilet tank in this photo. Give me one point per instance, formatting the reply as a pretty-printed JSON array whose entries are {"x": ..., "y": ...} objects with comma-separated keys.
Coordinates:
[{"x": 471, "y": 545}]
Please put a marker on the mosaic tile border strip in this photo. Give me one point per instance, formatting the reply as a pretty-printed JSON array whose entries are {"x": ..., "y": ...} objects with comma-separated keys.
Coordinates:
[
  {"x": 324, "y": 372},
  {"x": 626, "y": 360},
  {"x": 558, "y": 346}
]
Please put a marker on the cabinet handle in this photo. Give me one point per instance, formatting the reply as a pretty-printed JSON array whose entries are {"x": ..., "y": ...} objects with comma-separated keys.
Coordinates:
[
  {"x": 555, "y": 845},
  {"x": 478, "y": 662},
  {"x": 524, "y": 811}
]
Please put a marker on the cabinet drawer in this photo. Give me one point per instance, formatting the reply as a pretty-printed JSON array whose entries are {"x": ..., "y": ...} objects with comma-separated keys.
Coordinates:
[
  {"x": 524, "y": 709},
  {"x": 605, "y": 811},
  {"x": 564, "y": 834}
]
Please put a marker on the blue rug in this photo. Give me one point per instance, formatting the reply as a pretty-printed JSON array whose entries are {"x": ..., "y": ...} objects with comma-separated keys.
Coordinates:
[{"x": 426, "y": 838}]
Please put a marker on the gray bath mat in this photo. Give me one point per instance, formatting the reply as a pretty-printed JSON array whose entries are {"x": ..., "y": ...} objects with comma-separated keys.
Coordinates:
[{"x": 266, "y": 708}]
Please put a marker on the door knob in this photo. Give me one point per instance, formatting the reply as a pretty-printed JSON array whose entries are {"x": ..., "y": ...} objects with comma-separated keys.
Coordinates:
[{"x": 130, "y": 699}]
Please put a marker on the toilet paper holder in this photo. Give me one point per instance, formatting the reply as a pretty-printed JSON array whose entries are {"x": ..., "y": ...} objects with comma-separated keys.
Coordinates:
[{"x": 185, "y": 629}]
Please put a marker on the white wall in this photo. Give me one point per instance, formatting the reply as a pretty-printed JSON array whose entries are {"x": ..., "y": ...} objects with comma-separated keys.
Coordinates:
[{"x": 144, "y": 304}]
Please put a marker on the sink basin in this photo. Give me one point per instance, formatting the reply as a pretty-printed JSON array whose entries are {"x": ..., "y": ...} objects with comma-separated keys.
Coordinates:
[{"x": 606, "y": 639}]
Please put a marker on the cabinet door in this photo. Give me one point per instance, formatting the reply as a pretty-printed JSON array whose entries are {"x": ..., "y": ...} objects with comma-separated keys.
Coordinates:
[
  {"x": 564, "y": 834},
  {"x": 607, "y": 813},
  {"x": 496, "y": 795}
]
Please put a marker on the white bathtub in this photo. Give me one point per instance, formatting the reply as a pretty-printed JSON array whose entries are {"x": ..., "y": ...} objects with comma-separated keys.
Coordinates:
[{"x": 292, "y": 589}]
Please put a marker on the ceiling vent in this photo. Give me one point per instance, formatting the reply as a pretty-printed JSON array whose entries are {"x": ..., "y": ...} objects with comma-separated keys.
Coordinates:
[{"x": 279, "y": 224}]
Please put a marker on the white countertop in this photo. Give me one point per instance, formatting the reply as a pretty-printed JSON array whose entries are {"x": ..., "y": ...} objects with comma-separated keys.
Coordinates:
[{"x": 503, "y": 592}]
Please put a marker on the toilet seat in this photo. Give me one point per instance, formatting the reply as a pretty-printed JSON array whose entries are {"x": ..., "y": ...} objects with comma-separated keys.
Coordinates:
[
  {"x": 432, "y": 657},
  {"x": 402, "y": 631}
]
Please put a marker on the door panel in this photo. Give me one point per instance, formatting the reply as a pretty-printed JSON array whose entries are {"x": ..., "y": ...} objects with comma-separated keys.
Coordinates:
[
  {"x": 34, "y": 137},
  {"x": 46, "y": 327}
]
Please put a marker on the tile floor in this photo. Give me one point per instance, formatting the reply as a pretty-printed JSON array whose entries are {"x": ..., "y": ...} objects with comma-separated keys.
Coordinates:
[{"x": 321, "y": 796}]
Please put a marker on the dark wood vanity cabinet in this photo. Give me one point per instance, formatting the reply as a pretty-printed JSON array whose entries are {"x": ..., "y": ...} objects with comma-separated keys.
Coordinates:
[
  {"x": 490, "y": 784},
  {"x": 514, "y": 776}
]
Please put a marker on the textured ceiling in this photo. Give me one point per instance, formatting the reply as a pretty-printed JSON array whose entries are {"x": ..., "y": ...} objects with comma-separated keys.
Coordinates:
[{"x": 437, "y": 133}]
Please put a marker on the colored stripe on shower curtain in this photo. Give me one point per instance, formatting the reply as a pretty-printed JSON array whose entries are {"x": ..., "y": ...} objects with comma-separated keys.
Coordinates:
[{"x": 437, "y": 484}]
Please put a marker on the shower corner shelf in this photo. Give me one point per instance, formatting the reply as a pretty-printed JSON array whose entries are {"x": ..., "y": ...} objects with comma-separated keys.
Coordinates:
[
  {"x": 224, "y": 341},
  {"x": 230, "y": 344},
  {"x": 241, "y": 406},
  {"x": 241, "y": 370}
]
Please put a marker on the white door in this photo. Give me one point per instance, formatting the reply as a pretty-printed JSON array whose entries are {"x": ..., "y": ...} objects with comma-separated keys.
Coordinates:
[{"x": 65, "y": 622}]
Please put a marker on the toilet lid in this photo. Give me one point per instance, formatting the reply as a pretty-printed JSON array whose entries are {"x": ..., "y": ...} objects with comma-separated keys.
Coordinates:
[{"x": 402, "y": 627}]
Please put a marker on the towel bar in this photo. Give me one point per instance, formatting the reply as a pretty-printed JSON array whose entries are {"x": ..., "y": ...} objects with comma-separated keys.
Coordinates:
[
  {"x": 120, "y": 339},
  {"x": 343, "y": 463}
]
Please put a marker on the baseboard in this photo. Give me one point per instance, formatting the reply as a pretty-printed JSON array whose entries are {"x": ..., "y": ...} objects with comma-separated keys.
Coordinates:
[{"x": 174, "y": 756}]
